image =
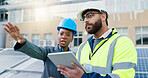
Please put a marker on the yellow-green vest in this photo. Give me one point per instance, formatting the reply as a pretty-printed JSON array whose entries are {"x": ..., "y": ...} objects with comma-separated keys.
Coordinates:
[{"x": 117, "y": 57}]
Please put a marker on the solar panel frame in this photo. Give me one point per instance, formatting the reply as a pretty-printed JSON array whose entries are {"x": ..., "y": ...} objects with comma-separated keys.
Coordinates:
[{"x": 142, "y": 63}]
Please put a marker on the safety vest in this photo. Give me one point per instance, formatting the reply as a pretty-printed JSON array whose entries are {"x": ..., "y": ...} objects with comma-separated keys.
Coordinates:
[{"x": 117, "y": 57}]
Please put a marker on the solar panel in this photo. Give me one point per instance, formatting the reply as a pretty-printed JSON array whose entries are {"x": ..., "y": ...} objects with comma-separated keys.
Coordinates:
[
  {"x": 35, "y": 66},
  {"x": 142, "y": 63},
  {"x": 141, "y": 75},
  {"x": 10, "y": 58},
  {"x": 27, "y": 70},
  {"x": 142, "y": 52},
  {"x": 11, "y": 52},
  {"x": 26, "y": 75},
  {"x": 9, "y": 61}
]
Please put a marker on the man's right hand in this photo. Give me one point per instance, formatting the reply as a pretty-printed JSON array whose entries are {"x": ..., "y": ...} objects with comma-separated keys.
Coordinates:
[{"x": 14, "y": 33}]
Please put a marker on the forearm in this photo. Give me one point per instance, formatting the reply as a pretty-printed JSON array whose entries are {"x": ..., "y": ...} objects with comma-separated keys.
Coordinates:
[{"x": 31, "y": 50}]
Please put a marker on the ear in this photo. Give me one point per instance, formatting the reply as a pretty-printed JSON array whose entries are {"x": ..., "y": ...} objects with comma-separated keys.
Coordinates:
[
  {"x": 103, "y": 16},
  {"x": 72, "y": 39}
]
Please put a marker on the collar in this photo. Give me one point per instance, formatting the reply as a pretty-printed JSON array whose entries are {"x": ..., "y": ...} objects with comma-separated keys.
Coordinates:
[
  {"x": 105, "y": 34},
  {"x": 61, "y": 50},
  {"x": 113, "y": 31}
]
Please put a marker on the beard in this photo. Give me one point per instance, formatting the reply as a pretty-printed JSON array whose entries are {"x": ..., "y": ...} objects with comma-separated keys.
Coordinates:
[{"x": 95, "y": 27}]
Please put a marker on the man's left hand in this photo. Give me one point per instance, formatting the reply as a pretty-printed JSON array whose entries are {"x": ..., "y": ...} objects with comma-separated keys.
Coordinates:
[{"x": 77, "y": 72}]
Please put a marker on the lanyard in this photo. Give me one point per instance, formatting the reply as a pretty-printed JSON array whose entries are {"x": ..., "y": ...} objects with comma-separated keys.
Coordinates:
[
  {"x": 110, "y": 35},
  {"x": 96, "y": 50}
]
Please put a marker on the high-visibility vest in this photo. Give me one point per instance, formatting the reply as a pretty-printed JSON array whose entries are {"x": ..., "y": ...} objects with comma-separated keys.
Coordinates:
[{"x": 117, "y": 57}]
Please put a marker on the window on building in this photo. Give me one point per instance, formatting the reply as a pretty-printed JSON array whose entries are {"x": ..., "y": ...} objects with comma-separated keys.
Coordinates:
[
  {"x": 141, "y": 35},
  {"x": 122, "y": 31},
  {"x": 15, "y": 16},
  {"x": 78, "y": 39},
  {"x": 132, "y": 5},
  {"x": 143, "y": 4},
  {"x": 3, "y": 15},
  {"x": 35, "y": 39},
  {"x": 3, "y": 2},
  {"x": 48, "y": 36},
  {"x": 28, "y": 15}
]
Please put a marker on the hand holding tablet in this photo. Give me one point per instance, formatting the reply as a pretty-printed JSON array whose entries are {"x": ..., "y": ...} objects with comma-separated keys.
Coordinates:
[{"x": 64, "y": 58}]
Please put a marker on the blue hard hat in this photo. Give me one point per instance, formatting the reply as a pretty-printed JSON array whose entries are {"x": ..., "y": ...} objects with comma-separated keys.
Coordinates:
[{"x": 68, "y": 23}]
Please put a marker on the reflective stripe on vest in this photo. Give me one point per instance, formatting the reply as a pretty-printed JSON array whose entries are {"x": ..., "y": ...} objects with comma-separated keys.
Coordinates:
[
  {"x": 124, "y": 65},
  {"x": 108, "y": 68},
  {"x": 113, "y": 75},
  {"x": 79, "y": 53}
]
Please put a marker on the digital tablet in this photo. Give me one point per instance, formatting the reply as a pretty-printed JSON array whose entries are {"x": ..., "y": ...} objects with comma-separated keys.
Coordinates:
[{"x": 64, "y": 58}]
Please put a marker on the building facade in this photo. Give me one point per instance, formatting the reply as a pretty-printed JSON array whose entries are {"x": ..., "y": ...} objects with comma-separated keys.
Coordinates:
[
  {"x": 38, "y": 22},
  {"x": 123, "y": 6},
  {"x": 33, "y": 16}
]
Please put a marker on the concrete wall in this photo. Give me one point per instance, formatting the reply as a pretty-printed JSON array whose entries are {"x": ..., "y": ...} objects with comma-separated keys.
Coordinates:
[
  {"x": 130, "y": 20},
  {"x": 42, "y": 28},
  {"x": 2, "y": 37}
]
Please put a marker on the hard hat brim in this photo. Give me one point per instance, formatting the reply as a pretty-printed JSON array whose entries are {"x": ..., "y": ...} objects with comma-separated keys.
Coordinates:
[
  {"x": 58, "y": 28},
  {"x": 79, "y": 15}
]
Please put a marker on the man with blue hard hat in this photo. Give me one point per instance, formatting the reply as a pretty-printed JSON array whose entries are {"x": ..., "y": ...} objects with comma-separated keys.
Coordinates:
[{"x": 67, "y": 28}]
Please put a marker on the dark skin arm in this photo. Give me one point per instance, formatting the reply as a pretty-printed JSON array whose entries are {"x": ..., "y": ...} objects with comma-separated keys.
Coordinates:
[{"x": 14, "y": 32}]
